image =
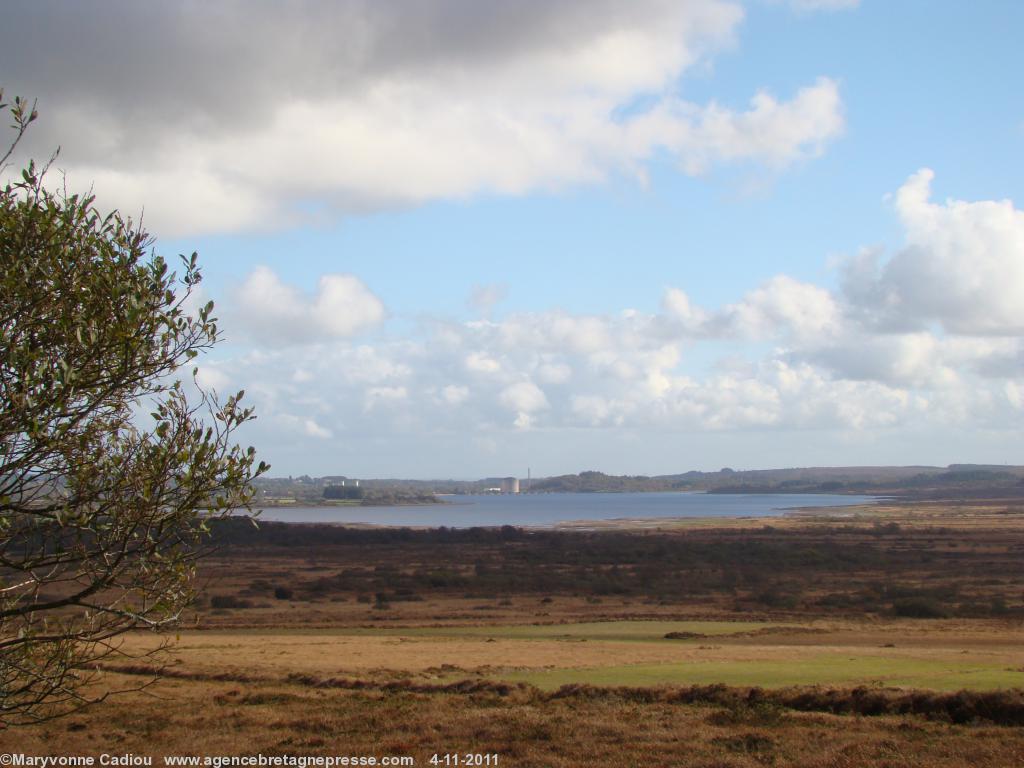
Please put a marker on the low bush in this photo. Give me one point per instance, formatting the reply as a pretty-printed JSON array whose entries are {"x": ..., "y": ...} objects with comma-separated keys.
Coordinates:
[
  {"x": 229, "y": 601},
  {"x": 919, "y": 608}
]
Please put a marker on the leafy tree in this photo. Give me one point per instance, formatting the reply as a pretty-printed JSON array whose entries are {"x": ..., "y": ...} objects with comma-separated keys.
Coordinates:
[
  {"x": 343, "y": 492},
  {"x": 102, "y": 517}
]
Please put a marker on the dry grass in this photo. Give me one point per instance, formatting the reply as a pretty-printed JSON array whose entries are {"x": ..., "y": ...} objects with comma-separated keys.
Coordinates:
[
  {"x": 977, "y": 514},
  {"x": 524, "y": 728}
]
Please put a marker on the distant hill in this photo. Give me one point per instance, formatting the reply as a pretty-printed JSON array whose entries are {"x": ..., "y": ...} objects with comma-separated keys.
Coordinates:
[
  {"x": 599, "y": 482},
  {"x": 874, "y": 480},
  {"x": 964, "y": 480}
]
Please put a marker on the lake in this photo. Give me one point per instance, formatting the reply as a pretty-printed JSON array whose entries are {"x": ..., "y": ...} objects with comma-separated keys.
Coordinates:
[{"x": 550, "y": 508}]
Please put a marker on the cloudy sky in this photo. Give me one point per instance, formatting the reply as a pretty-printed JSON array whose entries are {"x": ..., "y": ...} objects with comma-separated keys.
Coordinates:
[{"x": 457, "y": 238}]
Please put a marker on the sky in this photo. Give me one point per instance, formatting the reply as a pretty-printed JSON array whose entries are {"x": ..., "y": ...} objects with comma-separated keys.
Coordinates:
[{"x": 461, "y": 238}]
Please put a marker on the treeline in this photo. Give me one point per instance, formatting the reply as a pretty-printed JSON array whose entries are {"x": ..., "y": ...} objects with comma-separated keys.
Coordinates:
[
  {"x": 377, "y": 497},
  {"x": 598, "y": 482},
  {"x": 961, "y": 480},
  {"x": 974, "y": 483},
  {"x": 347, "y": 492}
]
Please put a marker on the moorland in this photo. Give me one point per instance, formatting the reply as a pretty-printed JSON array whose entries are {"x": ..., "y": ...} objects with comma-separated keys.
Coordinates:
[{"x": 887, "y": 634}]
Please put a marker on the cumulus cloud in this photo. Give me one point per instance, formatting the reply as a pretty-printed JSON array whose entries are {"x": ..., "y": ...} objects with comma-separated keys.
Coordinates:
[
  {"x": 681, "y": 311},
  {"x": 927, "y": 338},
  {"x": 909, "y": 359},
  {"x": 776, "y": 133},
  {"x": 481, "y": 363},
  {"x": 782, "y": 305},
  {"x": 273, "y": 111},
  {"x": 524, "y": 396},
  {"x": 961, "y": 267},
  {"x": 273, "y": 312},
  {"x": 637, "y": 383}
]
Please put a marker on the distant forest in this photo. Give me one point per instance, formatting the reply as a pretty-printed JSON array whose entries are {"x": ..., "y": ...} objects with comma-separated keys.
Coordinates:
[{"x": 919, "y": 481}]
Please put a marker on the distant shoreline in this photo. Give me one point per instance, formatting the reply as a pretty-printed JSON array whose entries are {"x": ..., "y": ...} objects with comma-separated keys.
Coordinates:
[{"x": 328, "y": 503}]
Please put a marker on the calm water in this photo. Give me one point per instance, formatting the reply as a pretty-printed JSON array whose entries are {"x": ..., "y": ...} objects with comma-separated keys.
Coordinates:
[{"x": 550, "y": 508}]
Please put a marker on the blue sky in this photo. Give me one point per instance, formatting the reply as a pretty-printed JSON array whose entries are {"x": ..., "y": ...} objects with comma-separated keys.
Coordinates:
[
  {"x": 923, "y": 84},
  {"x": 458, "y": 239}
]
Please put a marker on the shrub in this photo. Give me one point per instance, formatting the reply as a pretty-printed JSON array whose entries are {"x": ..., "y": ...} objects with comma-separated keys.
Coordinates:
[
  {"x": 228, "y": 601},
  {"x": 919, "y": 608}
]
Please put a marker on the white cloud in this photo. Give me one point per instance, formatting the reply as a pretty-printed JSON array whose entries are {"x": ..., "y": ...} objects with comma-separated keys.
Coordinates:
[
  {"x": 852, "y": 381},
  {"x": 479, "y": 363},
  {"x": 682, "y": 315},
  {"x": 1014, "y": 394},
  {"x": 454, "y": 394},
  {"x": 823, "y": 5},
  {"x": 312, "y": 429},
  {"x": 274, "y": 312},
  {"x": 367, "y": 365},
  {"x": 773, "y": 132},
  {"x": 924, "y": 341},
  {"x": 554, "y": 372},
  {"x": 962, "y": 267},
  {"x": 525, "y": 398},
  {"x": 782, "y": 305},
  {"x": 365, "y": 105},
  {"x": 303, "y": 427},
  {"x": 384, "y": 396},
  {"x": 907, "y": 359},
  {"x": 343, "y": 305},
  {"x": 595, "y": 410},
  {"x": 212, "y": 377},
  {"x": 483, "y": 298}
]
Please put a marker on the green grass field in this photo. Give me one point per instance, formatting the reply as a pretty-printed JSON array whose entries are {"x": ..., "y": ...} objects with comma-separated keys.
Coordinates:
[
  {"x": 636, "y": 653},
  {"x": 802, "y": 665},
  {"x": 814, "y": 669}
]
